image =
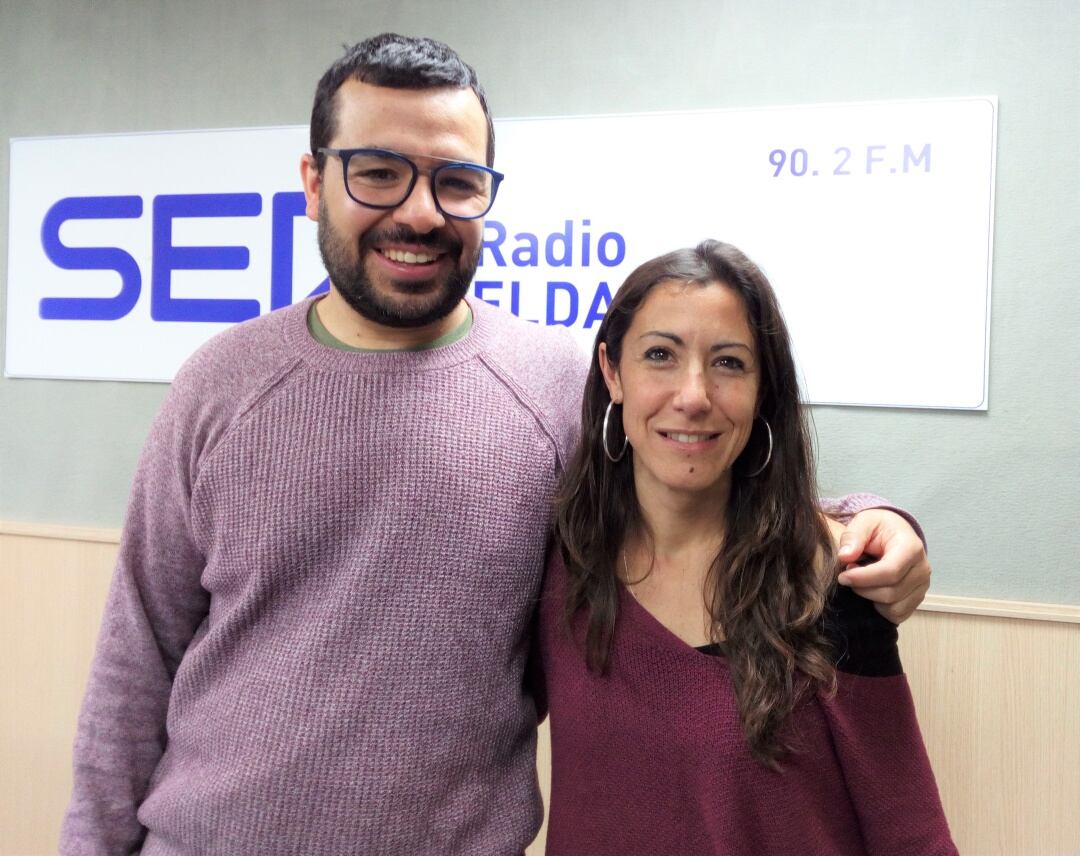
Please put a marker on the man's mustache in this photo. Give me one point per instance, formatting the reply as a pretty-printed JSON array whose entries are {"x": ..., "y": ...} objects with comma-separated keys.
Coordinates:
[{"x": 438, "y": 241}]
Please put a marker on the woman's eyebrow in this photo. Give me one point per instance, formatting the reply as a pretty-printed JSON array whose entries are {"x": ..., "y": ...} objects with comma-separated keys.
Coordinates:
[
  {"x": 663, "y": 335},
  {"x": 676, "y": 339}
]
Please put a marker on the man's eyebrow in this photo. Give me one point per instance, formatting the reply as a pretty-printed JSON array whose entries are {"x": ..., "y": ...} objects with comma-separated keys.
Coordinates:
[
  {"x": 414, "y": 156},
  {"x": 719, "y": 346}
]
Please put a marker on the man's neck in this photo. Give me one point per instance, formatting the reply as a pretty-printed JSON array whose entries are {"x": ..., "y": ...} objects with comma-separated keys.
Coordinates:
[{"x": 351, "y": 328}]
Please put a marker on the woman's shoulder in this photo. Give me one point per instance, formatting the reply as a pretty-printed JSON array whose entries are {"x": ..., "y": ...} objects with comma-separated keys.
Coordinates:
[{"x": 864, "y": 642}]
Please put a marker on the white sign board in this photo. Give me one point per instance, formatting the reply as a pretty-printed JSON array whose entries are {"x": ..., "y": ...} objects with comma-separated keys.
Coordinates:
[{"x": 873, "y": 221}]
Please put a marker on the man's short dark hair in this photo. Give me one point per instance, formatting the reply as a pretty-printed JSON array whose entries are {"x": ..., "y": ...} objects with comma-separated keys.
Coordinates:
[{"x": 397, "y": 62}]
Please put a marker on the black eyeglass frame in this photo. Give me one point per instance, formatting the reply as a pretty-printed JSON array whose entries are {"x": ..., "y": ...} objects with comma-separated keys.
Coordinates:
[{"x": 346, "y": 154}]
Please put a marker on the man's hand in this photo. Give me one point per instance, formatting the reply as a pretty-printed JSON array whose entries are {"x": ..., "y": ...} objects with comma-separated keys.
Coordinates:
[{"x": 897, "y": 581}]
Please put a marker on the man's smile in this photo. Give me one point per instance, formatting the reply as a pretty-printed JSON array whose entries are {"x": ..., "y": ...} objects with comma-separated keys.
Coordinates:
[{"x": 409, "y": 257}]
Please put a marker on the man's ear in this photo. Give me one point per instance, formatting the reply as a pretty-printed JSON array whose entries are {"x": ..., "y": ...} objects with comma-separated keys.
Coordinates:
[
  {"x": 610, "y": 371},
  {"x": 312, "y": 179}
]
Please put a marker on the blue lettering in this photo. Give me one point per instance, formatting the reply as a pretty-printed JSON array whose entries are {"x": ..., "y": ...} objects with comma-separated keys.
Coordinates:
[
  {"x": 493, "y": 246},
  {"x": 568, "y": 289},
  {"x": 913, "y": 160},
  {"x": 515, "y": 297},
  {"x": 482, "y": 285},
  {"x": 596, "y": 311},
  {"x": 566, "y": 239},
  {"x": 558, "y": 246},
  {"x": 872, "y": 157},
  {"x": 286, "y": 207},
  {"x": 167, "y": 258},
  {"x": 527, "y": 253},
  {"x": 620, "y": 249},
  {"x": 91, "y": 258}
]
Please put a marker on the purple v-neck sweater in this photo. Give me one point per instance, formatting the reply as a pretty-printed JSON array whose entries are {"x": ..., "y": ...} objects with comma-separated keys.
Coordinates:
[
  {"x": 650, "y": 758},
  {"x": 315, "y": 638}
]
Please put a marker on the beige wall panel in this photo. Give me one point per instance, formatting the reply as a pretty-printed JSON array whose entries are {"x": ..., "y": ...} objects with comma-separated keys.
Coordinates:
[
  {"x": 998, "y": 699},
  {"x": 543, "y": 768},
  {"x": 55, "y": 591},
  {"x": 999, "y": 705}
]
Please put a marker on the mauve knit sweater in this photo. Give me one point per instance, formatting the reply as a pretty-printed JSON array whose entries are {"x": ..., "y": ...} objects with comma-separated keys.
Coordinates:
[{"x": 315, "y": 639}]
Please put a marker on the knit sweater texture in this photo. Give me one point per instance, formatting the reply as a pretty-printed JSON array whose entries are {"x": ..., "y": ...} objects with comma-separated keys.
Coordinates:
[
  {"x": 315, "y": 638},
  {"x": 650, "y": 758}
]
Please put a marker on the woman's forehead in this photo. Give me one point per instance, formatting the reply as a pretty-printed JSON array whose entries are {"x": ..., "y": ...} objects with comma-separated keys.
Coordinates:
[{"x": 693, "y": 305}]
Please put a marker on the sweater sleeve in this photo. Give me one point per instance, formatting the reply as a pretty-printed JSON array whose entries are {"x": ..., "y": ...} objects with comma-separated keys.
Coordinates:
[
  {"x": 154, "y": 607},
  {"x": 546, "y": 618},
  {"x": 843, "y": 508},
  {"x": 877, "y": 740}
]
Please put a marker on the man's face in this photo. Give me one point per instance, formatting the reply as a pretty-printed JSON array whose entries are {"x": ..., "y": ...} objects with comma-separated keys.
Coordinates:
[{"x": 408, "y": 266}]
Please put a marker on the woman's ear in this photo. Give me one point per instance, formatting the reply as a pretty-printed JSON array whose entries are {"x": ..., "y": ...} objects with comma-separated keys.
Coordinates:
[{"x": 610, "y": 371}]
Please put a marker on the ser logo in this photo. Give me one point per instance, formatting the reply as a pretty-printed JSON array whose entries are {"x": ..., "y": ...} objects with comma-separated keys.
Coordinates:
[{"x": 166, "y": 257}]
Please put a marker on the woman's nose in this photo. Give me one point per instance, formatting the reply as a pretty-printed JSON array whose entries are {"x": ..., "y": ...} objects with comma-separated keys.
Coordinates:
[{"x": 693, "y": 393}]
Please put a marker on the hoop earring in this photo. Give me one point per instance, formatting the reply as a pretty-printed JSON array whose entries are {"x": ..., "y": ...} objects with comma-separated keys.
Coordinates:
[
  {"x": 603, "y": 438},
  {"x": 768, "y": 457}
]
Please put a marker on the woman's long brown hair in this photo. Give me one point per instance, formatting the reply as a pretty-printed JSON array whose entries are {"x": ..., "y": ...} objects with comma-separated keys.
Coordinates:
[{"x": 763, "y": 590}]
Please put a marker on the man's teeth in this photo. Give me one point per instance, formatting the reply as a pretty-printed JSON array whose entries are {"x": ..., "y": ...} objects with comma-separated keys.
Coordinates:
[
  {"x": 688, "y": 438},
  {"x": 409, "y": 258}
]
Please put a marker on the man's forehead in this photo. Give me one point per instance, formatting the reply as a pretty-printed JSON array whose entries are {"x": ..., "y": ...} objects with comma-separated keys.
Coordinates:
[
  {"x": 366, "y": 98},
  {"x": 370, "y": 115}
]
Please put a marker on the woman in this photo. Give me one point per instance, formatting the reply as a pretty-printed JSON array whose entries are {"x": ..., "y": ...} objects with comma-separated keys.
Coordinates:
[{"x": 711, "y": 690}]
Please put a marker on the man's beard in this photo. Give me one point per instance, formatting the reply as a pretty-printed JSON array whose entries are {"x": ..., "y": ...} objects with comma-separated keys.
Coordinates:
[{"x": 430, "y": 302}]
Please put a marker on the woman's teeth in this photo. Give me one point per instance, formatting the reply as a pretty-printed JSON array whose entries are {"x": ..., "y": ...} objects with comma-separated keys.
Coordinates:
[{"x": 689, "y": 438}]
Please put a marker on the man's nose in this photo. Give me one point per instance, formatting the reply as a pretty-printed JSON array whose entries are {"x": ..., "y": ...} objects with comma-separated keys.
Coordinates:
[{"x": 419, "y": 210}]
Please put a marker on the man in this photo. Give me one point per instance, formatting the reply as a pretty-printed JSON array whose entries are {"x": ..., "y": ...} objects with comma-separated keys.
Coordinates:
[{"x": 316, "y": 636}]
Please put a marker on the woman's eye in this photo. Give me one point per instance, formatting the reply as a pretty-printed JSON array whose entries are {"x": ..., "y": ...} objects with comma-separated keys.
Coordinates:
[
  {"x": 729, "y": 362},
  {"x": 657, "y": 355}
]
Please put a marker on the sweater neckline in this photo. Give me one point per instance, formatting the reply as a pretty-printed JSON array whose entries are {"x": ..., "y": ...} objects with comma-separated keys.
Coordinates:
[
  {"x": 648, "y": 625},
  {"x": 326, "y": 358}
]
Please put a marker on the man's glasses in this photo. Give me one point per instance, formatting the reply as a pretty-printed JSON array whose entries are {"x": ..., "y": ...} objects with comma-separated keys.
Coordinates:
[{"x": 379, "y": 178}]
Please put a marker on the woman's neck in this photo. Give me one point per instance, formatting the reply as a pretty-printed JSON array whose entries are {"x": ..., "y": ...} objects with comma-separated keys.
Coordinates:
[
  {"x": 675, "y": 525},
  {"x": 666, "y": 559}
]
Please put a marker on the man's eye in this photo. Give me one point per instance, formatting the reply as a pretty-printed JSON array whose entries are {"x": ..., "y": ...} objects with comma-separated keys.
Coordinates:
[
  {"x": 381, "y": 175},
  {"x": 462, "y": 183}
]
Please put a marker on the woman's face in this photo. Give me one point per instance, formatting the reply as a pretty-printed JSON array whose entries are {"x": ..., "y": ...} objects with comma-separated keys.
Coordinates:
[{"x": 688, "y": 383}]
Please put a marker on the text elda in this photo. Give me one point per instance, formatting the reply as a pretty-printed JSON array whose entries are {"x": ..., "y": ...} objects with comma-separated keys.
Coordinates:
[{"x": 555, "y": 301}]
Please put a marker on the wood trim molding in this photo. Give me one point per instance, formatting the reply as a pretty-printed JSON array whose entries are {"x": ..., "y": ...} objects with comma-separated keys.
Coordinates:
[
  {"x": 1029, "y": 611},
  {"x": 57, "y": 532},
  {"x": 1002, "y": 608}
]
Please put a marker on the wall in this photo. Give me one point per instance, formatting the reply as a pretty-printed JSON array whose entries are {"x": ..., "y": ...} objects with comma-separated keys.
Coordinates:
[{"x": 996, "y": 490}]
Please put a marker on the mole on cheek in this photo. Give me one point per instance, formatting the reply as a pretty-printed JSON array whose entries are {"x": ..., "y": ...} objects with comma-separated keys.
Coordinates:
[{"x": 691, "y": 469}]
